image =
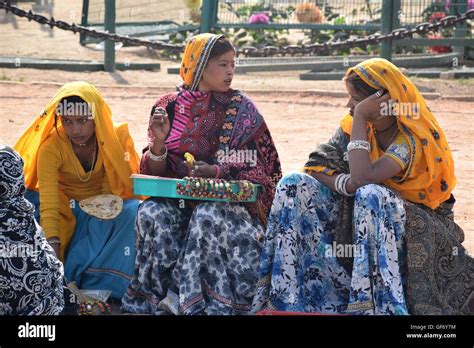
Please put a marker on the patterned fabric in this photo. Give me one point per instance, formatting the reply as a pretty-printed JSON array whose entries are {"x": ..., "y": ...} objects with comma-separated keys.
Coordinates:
[
  {"x": 399, "y": 151},
  {"x": 201, "y": 261},
  {"x": 299, "y": 270},
  {"x": 195, "y": 57},
  {"x": 209, "y": 125},
  {"x": 440, "y": 271},
  {"x": 429, "y": 177},
  {"x": 433, "y": 243},
  {"x": 31, "y": 277},
  {"x": 330, "y": 158}
]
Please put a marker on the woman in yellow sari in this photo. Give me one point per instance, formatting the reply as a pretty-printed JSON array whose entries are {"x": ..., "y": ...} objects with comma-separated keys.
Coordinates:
[
  {"x": 73, "y": 151},
  {"x": 338, "y": 235}
]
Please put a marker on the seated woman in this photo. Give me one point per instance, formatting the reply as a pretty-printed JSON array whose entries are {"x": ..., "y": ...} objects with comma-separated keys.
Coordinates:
[
  {"x": 73, "y": 152},
  {"x": 203, "y": 259},
  {"x": 328, "y": 251},
  {"x": 31, "y": 275}
]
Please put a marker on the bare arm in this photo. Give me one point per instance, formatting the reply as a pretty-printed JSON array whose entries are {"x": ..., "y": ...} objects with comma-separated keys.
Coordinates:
[
  {"x": 326, "y": 180},
  {"x": 362, "y": 170}
]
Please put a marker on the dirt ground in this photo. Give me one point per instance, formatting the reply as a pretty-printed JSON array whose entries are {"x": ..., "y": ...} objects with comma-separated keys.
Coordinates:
[{"x": 297, "y": 120}]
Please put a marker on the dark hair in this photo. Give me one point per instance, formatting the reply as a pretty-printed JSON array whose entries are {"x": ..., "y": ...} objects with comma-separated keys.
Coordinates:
[
  {"x": 360, "y": 85},
  {"x": 74, "y": 99},
  {"x": 221, "y": 47}
]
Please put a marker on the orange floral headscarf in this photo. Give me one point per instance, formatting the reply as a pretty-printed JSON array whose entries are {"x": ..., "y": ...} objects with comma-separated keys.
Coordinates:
[
  {"x": 195, "y": 57},
  {"x": 429, "y": 178}
]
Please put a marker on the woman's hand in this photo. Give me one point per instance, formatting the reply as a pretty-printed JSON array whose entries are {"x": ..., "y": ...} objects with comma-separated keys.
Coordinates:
[
  {"x": 55, "y": 244},
  {"x": 201, "y": 169},
  {"x": 160, "y": 125},
  {"x": 370, "y": 108}
]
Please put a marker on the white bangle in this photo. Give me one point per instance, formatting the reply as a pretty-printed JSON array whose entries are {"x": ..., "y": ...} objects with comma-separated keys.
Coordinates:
[
  {"x": 358, "y": 145},
  {"x": 337, "y": 183},
  {"x": 344, "y": 186},
  {"x": 157, "y": 158},
  {"x": 340, "y": 185}
]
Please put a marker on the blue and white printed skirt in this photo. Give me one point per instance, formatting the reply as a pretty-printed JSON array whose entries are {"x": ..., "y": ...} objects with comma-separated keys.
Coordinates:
[{"x": 299, "y": 270}]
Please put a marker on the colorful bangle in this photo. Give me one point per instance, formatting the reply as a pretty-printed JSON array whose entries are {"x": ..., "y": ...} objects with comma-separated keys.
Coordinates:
[
  {"x": 218, "y": 171},
  {"x": 94, "y": 308}
]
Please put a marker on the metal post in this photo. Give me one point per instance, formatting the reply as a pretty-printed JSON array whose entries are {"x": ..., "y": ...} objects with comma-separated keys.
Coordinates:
[
  {"x": 208, "y": 15},
  {"x": 109, "y": 25},
  {"x": 84, "y": 19},
  {"x": 461, "y": 28},
  {"x": 397, "y": 14},
  {"x": 387, "y": 18}
]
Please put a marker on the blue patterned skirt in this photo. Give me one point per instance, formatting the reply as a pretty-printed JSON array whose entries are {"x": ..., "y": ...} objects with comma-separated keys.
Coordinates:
[{"x": 299, "y": 269}]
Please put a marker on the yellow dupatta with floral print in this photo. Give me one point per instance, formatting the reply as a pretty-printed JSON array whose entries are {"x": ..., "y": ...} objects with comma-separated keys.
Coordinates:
[{"x": 429, "y": 177}]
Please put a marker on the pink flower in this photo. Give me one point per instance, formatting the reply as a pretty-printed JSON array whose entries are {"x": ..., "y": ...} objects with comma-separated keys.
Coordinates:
[{"x": 259, "y": 18}]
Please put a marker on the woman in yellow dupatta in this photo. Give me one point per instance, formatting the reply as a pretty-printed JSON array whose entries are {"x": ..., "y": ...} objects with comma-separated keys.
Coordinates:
[
  {"x": 346, "y": 217},
  {"x": 74, "y": 151}
]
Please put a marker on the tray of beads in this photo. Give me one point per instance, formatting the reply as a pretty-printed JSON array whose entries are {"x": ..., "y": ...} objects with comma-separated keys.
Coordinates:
[{"x": 194, "y": 188}]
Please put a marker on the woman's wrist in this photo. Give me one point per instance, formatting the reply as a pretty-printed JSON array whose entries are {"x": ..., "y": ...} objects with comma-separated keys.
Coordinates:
[
  {"x": 217, "y": 171},
  {"x": 158, "y": 147},
  {"x": 53, "y": 240},
  {"x": 350, "y": 188}
]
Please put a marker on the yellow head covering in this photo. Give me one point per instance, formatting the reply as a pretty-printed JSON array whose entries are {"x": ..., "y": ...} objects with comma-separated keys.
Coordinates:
[
  {"x": 429, "y": 178},
  {"x": 195, "y": 57},
  {"x": 119, "y": 162}
]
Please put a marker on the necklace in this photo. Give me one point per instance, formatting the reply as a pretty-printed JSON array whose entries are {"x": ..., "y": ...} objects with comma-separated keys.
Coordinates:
[{"x": 89, "y": 174}]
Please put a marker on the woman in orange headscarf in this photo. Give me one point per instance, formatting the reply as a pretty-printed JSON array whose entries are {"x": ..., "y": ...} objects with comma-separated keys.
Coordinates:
[
  {"x": 337, "y": 234},
  {"x": 73, "y": 153}
]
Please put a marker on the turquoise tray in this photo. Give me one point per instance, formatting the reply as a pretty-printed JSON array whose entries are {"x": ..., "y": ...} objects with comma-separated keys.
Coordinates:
[{"x": 155, "y": 186}]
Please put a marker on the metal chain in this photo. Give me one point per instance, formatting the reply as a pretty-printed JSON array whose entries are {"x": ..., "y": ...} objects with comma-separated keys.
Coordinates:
[
  {"x": 86, "y": 31},
  {"x": 249, "y": 51}
]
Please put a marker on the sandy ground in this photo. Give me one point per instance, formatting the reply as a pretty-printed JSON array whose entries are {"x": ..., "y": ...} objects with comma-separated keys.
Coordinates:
[{"x": 297, "y": 121}]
